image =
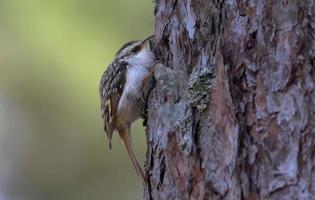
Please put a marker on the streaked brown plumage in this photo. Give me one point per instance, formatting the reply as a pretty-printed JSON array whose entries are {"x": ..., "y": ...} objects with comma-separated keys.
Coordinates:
[{"x": 123, "y": 87}]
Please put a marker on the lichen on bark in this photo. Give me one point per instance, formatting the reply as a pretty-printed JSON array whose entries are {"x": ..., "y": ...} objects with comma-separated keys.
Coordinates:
[{"x": 199, "y": 87}]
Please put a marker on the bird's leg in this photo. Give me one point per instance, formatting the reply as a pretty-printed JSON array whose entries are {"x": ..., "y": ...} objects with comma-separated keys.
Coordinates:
[
  {"x": 125, "y": 137},
  {"x": 147, "y": 85}
]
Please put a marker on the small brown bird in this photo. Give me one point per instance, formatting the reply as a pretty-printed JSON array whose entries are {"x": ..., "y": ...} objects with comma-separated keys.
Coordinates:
[{"x": 124, "y": 88}]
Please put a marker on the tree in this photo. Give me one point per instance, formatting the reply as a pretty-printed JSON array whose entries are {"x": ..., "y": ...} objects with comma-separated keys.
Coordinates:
[{"x": 232, "y": 115}]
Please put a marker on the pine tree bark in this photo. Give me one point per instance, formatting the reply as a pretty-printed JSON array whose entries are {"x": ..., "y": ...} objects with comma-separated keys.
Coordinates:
[{"x": 232, "y": 115}]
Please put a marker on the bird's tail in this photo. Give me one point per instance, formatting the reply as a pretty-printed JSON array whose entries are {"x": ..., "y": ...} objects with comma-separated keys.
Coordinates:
[{"x": 127, "y": 142}]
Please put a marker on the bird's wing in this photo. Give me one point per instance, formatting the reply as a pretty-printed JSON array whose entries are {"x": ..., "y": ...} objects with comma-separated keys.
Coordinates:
[{"x": 111, "y": 88}]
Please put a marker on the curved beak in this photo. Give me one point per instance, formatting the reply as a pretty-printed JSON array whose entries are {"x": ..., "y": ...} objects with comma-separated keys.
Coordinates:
[{"x": 149, "y": 42}]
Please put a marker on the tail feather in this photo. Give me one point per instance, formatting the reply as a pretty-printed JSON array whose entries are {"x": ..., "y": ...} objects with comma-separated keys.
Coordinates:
[
  {"x": 133, "y": 157},
  {"x": 135, "y": 162}
]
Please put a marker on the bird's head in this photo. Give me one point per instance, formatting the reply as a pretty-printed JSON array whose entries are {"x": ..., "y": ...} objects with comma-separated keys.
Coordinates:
[{"x": 137, "y": 53}]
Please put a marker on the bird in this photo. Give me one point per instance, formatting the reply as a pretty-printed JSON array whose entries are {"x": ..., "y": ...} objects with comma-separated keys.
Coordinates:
[{"x": 124, "y": 89}]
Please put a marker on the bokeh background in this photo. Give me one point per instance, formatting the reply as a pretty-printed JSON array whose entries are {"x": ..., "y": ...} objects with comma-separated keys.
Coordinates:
[{"x": 52, "y": 54}]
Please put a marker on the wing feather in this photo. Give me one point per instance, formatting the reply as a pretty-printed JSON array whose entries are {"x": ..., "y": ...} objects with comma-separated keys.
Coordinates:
[{"x": 111, "y": 88}]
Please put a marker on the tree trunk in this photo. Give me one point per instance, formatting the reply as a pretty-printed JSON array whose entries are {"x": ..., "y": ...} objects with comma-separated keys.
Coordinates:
[{"x": 232, "y": 115}]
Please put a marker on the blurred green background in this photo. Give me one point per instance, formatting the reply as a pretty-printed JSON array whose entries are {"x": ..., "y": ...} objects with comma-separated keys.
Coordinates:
[{"x": 52, "y": 55}]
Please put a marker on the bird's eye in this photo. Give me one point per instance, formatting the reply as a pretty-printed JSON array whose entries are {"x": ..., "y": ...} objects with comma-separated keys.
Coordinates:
[{"x": 136, "y": 49}]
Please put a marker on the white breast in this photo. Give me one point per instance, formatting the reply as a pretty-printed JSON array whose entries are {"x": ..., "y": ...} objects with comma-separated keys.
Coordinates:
[
  {"x": 135, "y": 76},
  {"x": 129, "y": 106}
]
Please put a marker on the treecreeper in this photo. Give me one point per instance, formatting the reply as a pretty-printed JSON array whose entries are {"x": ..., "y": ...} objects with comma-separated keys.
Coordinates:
[{"x": 124, "y": 89}]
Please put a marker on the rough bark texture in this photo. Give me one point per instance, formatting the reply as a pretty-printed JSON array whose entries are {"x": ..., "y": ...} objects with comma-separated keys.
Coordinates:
[{"x": 232, "y": 115}]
